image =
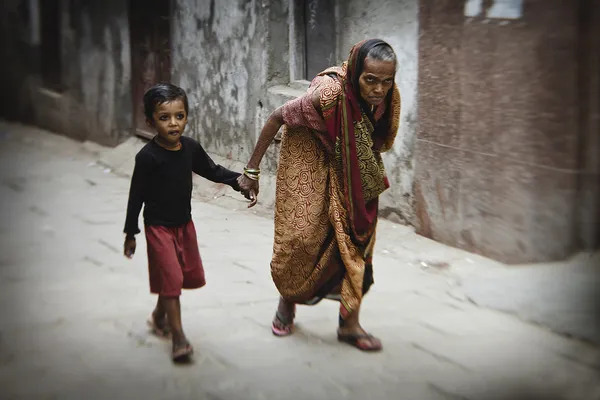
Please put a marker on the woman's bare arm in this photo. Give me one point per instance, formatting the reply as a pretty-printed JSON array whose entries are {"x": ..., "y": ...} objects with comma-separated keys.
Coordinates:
[
  {"x": 267, "y": 134},
  {"x": 266, "y": 137},
  {"x": 271, "y": 128}
]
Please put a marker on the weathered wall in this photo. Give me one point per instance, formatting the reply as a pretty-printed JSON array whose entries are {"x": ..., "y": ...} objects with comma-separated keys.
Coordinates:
[
  {"x": 220, "y": 58},
  {"x": 397, "y": 22},
  {"x": 95, "y": 101},
  {"x": 100, "y": 88},
  {"x": 17, "y": 57},
  {"x": 589, "y": 117},
  {"x": 496, "y": 169}
]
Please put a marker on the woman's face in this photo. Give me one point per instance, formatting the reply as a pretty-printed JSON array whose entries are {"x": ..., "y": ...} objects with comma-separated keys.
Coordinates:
[{"x": 376, "y": 80}]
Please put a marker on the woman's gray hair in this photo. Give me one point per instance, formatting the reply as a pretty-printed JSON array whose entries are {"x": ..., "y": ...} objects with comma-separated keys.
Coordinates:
[{"x": 382, "y": 52}]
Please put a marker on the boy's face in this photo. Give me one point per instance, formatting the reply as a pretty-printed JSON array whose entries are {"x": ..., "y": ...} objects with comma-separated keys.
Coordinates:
[{"x": 169, "y": 120}]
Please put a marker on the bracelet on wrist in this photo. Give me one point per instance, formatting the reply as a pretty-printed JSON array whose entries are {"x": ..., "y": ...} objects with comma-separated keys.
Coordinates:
[
  {"x": 252, "y": 173},
  {"x": 252, "y": 170},
  {"x": 254, "y": 177}
]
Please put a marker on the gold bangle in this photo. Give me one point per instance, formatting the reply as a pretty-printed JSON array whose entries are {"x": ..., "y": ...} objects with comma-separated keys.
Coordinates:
[
  {"x": 252, "y": 170},
  {"x": 254, "y": 177}
]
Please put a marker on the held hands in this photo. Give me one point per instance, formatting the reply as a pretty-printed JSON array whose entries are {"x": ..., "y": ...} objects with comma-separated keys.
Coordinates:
[
  {"x": 129, "y": 247},
  {"x": 249, "y": 186}
]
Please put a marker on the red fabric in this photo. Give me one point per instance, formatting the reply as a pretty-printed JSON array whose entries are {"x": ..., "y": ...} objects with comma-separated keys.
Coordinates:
[
  {"x": 340, "y": 124},
  {"x": 301, "y": 112},
  {"x": 363, "y": 216},
  {"x": 174, "y": 261},
  {"x": 337, "y": 123}
]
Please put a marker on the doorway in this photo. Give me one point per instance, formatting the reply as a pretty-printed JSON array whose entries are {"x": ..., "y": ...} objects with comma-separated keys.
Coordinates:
[
  {"x": 320, "y": 32},
  {"x": 150, "y": 35}
]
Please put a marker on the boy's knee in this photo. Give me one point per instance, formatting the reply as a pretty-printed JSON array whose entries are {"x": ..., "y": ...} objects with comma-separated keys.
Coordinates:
[{"x": 173, "y": 294}]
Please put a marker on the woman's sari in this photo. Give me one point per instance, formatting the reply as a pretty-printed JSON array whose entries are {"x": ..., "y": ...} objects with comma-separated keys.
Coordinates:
[{"x": 329, "y": 179}]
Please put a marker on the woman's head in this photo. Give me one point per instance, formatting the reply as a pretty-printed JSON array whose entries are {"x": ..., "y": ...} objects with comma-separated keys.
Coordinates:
[{"x": 373, "y": 77}]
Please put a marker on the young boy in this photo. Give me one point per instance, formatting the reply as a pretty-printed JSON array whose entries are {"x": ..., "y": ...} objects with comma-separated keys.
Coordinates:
[{"x": 162, "y": 181}]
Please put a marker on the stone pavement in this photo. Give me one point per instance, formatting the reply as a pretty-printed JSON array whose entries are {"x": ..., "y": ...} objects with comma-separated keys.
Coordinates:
[
  {"x": 74, "y": 309},
  {"x": 563, "y": 296}
]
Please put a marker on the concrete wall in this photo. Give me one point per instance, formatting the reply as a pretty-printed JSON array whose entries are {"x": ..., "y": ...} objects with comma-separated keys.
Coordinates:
[
  {"x": 497, "y": 168},
  {"x": 589, "y": 113},
  {"x": 220, "y": 58},
  {"x": 397, "y": 22},
  {"x": 101, "y": 88},
  {"x": 95, "y": 100}
]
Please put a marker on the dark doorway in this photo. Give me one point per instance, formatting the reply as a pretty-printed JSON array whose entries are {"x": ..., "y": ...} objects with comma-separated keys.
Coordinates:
[
  {"x": 588, "y": 206},
  {"x": 50, "y": 47},
  {"x": 150, "y": 31},
  {"x": 319, "y": 27}
]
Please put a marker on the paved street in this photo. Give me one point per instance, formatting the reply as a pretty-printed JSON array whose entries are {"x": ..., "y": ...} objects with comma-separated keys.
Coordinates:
[{"x": 74, "y": 309}]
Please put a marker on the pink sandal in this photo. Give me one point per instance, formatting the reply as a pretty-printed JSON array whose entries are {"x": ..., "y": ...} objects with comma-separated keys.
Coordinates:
[
  {"x": 364, "y": 342},
  {"x": 285, "y": 327}
]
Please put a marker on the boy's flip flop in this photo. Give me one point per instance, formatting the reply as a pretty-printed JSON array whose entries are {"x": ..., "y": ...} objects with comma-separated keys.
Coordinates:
[
  {"x": 182, "y": 353},
  {"x": 163, "y": 333},
  {"x": 364, "y": 341}
]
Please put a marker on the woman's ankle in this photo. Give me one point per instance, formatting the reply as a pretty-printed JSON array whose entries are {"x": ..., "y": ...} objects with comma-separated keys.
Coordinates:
[
  {"x": 349, "y": 323},
  {"x": 285, "y": 306}
]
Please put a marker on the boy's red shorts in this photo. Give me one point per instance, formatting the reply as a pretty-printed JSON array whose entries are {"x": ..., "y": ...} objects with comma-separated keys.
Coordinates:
[{"x": 173, "y": 259}]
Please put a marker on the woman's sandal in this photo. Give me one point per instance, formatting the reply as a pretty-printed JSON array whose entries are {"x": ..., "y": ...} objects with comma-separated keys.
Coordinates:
[
  {"x": 283, "y": 326},
  {"x": 362, "y": 341}
]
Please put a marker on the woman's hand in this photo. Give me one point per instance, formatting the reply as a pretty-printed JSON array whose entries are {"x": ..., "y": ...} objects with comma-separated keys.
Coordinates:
[{"x": 249, "y": 188}]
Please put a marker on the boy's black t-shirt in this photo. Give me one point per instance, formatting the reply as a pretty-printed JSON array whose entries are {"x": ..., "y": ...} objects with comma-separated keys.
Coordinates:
[{"x": 162, "y": 181}]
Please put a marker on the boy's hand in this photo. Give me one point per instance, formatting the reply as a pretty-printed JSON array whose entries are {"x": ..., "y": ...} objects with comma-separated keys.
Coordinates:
[
  {"x": 129, "y": 247},
  {"x": 249, "y": 189}
]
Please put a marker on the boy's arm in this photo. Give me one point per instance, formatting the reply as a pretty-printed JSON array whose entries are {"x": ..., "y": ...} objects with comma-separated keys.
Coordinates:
[
  {"x": 136, "y": 199},
  {"x": 204, "y": 166}
]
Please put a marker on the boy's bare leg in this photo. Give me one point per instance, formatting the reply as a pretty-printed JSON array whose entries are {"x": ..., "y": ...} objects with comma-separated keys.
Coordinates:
[
  {"x": 172, "y": 306},
  {"x": 159, "y": 315}
]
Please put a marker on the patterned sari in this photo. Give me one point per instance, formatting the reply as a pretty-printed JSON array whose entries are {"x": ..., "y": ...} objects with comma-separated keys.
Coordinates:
[{"x": 329, "y": 179}]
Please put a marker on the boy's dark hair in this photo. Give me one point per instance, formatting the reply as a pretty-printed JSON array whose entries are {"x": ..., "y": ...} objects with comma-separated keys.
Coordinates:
[{"x": 163, "y": 93}]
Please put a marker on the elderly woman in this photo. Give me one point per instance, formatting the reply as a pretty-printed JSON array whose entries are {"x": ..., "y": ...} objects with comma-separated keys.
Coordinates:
[{"x": 329, "y": 178}]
